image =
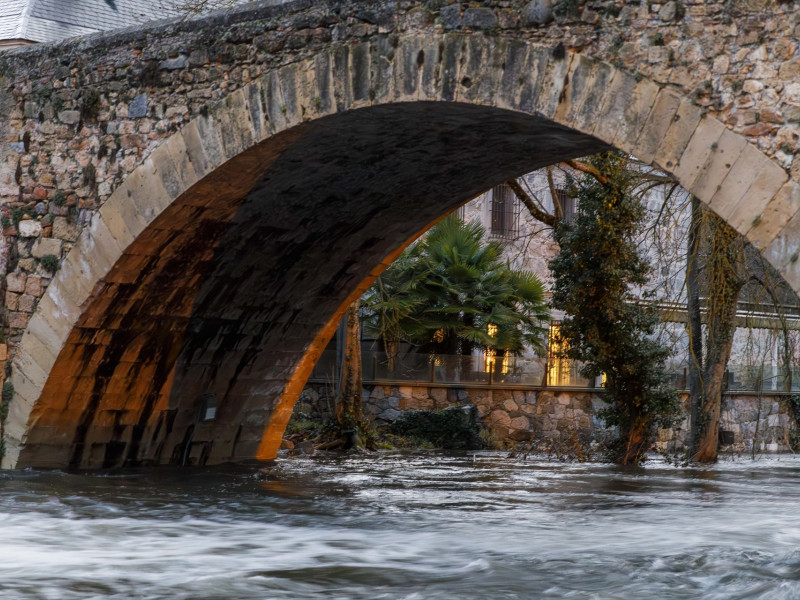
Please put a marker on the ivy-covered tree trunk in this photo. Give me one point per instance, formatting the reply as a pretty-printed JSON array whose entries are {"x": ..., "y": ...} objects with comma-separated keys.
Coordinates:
[
  {"x": 695, "y": 324},
  {"x": 349, "y": 414},
  {"x": 726, "y": 278},
  {"x": 596, "y": 273}
]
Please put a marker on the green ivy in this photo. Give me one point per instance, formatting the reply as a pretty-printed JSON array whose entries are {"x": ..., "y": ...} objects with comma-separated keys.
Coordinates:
[{"x": 596, "y": 274}]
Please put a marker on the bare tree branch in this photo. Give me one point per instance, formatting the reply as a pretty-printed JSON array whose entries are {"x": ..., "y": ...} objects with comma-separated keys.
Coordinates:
[
  {"x": 557, "y": 208},
  {"x": 535, "y": 211}
]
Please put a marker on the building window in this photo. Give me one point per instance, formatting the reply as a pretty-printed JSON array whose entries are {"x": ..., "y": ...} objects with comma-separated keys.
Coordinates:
[
  {"x": 568, "y": 204},
  {"x": 505, "y": 212},
  {"x": 558, "y": 367}
]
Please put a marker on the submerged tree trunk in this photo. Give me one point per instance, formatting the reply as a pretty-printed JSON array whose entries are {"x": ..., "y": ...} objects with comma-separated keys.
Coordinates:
[
  {"x": 725, "y": 281},
  {"x": 695, "y": 325},
  {"x": 349, "y": 415}
]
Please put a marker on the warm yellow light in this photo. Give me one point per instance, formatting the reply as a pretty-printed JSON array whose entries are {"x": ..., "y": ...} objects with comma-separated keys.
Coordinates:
[{"x": 558, "y": 368}]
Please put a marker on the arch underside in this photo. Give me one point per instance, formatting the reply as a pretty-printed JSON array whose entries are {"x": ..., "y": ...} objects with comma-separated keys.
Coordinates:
[
  {"x": 221, "y": 265},
  {"x": 228, "y": 288}
]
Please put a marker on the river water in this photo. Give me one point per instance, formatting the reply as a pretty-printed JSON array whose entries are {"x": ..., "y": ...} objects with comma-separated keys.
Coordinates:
[{"x": 414, "y": 526}]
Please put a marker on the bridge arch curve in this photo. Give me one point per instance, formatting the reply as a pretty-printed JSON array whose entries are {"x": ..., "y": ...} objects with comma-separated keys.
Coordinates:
[{"x": 223, "y": 262}]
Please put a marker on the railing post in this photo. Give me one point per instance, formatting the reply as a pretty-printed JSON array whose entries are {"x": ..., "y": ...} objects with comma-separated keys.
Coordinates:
[{"x": 433, "y": 371}]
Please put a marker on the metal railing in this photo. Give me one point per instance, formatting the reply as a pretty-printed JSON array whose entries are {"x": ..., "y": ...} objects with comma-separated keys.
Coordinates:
[
  {"x": 453, "y": 370},
  {"x": 411, "y": 368}
]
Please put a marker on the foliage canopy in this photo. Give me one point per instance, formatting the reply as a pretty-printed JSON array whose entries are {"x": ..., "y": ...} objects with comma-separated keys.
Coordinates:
[{"x": 452, "y": 292}]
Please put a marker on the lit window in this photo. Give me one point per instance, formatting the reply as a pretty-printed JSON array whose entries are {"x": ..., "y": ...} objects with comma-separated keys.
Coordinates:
[{"x": 558, "y": 367}]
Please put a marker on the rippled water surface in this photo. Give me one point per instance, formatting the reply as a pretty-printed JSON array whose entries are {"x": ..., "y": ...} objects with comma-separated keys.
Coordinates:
[{"x": 422, "y": 526}]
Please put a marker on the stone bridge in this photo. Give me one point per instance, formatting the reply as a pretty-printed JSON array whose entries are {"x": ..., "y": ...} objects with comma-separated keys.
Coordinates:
[{"x": 188, "y": 207}]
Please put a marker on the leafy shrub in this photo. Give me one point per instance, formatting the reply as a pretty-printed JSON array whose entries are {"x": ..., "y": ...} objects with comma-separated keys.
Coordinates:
[{"x": 452, "y": 428}]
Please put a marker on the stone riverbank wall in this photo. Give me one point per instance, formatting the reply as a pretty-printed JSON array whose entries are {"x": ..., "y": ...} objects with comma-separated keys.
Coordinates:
[{"x": 542, "y": 415}]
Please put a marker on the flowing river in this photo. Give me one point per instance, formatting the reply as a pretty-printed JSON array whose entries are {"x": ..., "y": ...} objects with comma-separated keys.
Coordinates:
[{"x": 405, "y": 525}]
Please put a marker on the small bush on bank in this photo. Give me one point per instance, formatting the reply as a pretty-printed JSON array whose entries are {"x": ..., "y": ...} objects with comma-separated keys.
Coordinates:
[{"x": 452, "y": 428}]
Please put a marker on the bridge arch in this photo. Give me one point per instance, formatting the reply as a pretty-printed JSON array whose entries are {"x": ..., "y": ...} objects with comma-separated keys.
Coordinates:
[{"x": 223, "y": 262}]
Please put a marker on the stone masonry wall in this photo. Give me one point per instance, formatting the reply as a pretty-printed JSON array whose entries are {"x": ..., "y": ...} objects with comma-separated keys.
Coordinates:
[
  {"x": 77, "y": 117},
  {"x": 520, "y": 415}
]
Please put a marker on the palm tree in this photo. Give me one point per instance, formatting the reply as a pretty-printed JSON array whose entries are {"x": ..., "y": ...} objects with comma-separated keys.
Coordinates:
[{"x": 452, "y": 292}]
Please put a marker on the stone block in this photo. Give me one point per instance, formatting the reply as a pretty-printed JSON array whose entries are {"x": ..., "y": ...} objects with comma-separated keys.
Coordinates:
[
  {"x": 381, "y": 74},
  {"x": 702, "y": 143},
  {"x": 479, "y": 18},
  {"x": 63, "y": 229},
  {"x": 553, "y": 83},
  {"x": 516, "y": 74},
  {"x": 481, "y": 70},
  {"x": 585, "y": 114},
  {"x": 783, "y": 252},
  {"x": 58, "y": 316},
  {"x": 69, "y": 117},
  {"x": 27, "y": 264},
  {"x": 510, "y": 405},
  {"x": 539, "y": 12},
  {"x": 430, "y": 85},
  {"x": 138, "y": 107},
  {"x": 520, "y": 423},
  {"x": 258, "y": 118},
  {"x": 767, "y": 184},
  {"x": 657, "y": 124},
  {"x": 277, "y": 111},
  {"x": 640, "y": 105},
  {"x": 29, "y": 228},
  {"x": 15, "y": 282},
  {"x": 204, "y": 158},
  {"x": 405, "y": 72},
  {"x": 41, "y": 343},
  {"x": 680, "y": 131},
  {"x": 450, "y": 16},
  {"x": 18, "y": 320},
  {"x": 419, "y": 393},
  {"x": 739, "y": 178},
  {"x": 614, "y": 104},
  {"x": 44, "y": 246},
  {"x": 581, "y": 71},
  {"x": 723, "y": 156},
  {"x": 359, "y": 73},
  {"x": 26, "y": 303},
  {"x": 439, "y": 395},
  {"x": 113, "y": 215},
  {"x": 500, "y": 417},
  {"x": 174, "y": 64},
  {"x": 775, "y": 215},
  {"x": 12, "y": 300},
  {"x": 233, "y": 116}
]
